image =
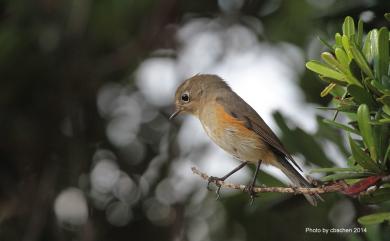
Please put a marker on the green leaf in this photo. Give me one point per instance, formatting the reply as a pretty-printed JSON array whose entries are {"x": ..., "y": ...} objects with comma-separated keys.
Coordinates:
[
  {"x": 360, "y": 95},
  {"x": 384, "y": 121},
  {"x": 381, "y": 88},
  {"x": 380, "y": 122},
  {"x": 342, "y": 57},
  {"x": 382, "y": 132},
  {"x": 368, "y": 83},
  {"x": 374, "y": 218},
  {"x": 335, "y": 64},
  {"x": 324, "y": 70},
  {"x": 381, "y": 53},
  {"x": 387, "y": 16},
  {"x": 346, "y": 46},
  {"x": 359, "y": 36},
  {"x": 360, "y": 59},
  {"x": 327, "y": 89},
  {"x": 374, "y": 42},
  {"x": 334, "y": 169},
  {"x": 367, "y": 47},
  {"x": 349, "y": 26},
  {"x": 332, "y": 62},
  {"x": 363, "y": 118},
  {"x": 337, "y": 38},
  {"x": 386, "y": 81},
  {"x": 345, "y": 175},
  {"x": 352, "y": 163},
  {"x": 385, "y": 99},
  {"x": 377, "y": 196},
  {"x": 327, "y": 108},
  {"x": 387, "y": 155},
  {"x": 361, "y": 158},
  {"x": 341, "y": 126},
  {"x": 339, "y": 91},
  {"x": 386, "y": 109},
  {"x": 373, "y": 233}
]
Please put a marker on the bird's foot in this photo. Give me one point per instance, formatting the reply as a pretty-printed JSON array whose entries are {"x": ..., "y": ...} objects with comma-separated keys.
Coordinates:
[
  {"x": 252, "y": 194},
  {"x": 294, "y": 188},
  {"x": 215, "y": 181},
  {"x": 313, "y": 181}
]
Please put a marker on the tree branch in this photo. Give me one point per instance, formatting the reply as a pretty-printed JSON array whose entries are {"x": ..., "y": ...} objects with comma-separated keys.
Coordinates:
[{"x": 334, "y": 187}]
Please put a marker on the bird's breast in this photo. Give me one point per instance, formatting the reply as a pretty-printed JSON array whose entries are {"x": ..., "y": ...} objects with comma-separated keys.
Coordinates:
[{"x": 231, "y": 134}]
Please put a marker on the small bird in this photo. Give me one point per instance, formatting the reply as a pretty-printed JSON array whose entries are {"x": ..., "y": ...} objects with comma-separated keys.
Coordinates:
[{"x": 237, "y": 128}]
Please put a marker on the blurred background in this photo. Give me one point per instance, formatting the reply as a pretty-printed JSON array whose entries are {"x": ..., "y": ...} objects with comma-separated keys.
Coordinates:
[{"x": 87, "y": 151}]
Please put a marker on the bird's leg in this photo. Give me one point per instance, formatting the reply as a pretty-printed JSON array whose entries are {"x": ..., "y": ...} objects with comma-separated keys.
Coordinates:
[
  {"x": 215, "y": 179},
  {"x": 251, "y": 186}
]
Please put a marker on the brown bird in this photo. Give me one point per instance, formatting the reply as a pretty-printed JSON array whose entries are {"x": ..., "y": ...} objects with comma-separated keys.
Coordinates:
[{"x": 236, "y": 127}]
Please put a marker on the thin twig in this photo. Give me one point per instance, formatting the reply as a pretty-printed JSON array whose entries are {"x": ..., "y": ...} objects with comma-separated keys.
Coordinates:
[{"x": 334, "y": 187}]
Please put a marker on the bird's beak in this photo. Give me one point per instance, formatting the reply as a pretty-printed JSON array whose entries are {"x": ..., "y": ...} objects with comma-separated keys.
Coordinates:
[{"x": 174, "y": 114}]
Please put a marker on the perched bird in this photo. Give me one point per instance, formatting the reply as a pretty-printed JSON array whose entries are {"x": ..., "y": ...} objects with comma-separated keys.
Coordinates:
[{"x": 236, "y": 127}]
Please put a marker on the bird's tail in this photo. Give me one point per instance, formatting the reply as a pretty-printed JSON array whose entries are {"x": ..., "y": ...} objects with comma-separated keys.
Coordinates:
[{"x": 297, "y": 179}]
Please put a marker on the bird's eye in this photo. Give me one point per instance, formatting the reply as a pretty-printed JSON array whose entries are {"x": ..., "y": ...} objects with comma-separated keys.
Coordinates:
[{"x": 185, "y": 97}]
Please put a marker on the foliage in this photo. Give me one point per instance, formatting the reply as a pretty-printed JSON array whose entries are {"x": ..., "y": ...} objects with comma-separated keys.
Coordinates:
[
  {"x": 68, "y": 71},
  {"x": 356, "y": 68}
]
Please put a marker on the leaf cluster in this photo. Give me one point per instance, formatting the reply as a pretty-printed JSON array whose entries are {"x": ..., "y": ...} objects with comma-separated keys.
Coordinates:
[{"x": 356, "y": 68}]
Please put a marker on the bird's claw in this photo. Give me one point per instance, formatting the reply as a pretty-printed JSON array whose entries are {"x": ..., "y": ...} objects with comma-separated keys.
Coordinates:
[
  {"x": 215, "y": 180},
  {"x": 252, "y": 194},
  {"x": 217, "y": 192},
  {"x": 295, "y": 189}
]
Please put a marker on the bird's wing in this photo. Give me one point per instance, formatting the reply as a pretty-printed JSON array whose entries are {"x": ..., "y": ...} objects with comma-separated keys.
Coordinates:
[{"x": 240, "y": 110}]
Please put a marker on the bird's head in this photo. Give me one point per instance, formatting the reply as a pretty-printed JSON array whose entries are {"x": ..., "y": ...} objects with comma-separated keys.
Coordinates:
[{"x": 194, "y": 93}]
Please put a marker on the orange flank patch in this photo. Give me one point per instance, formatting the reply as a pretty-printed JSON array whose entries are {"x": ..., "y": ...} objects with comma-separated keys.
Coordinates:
[
  {"x": 232, "y": 135},
  {"x": 227, "y": 121}
]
